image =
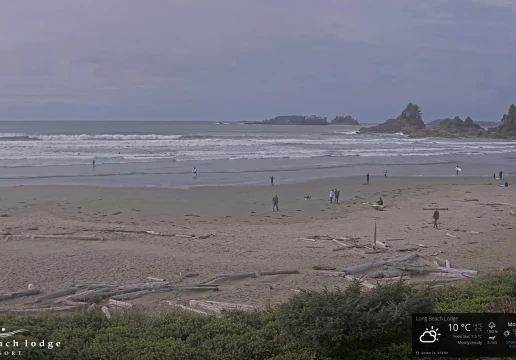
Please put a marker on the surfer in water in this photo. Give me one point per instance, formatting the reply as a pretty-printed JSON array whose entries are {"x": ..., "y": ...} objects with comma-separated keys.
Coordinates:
[
  {"x": 93, "y": 162},
  {"x": 500, "y": 175}
]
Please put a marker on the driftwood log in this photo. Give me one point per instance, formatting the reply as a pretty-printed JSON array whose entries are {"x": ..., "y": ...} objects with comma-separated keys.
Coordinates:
[
  {"x": 369, "y": 266},
  {"x": 193, "y": 288},
  {"x": 120, "y": 303},
  {"x": 88, "y": 295},
  {"x": 333, "y": 273},
  {"x": 131, "y": 295},
  {"x": 45, "y": 309},
  {"x": 18, "y": 294},
  {"x": 438, "y": 209},
  {"x": 464, "y": 272},
  {"x": 230, "y": 306},
  {"x": 56, "y": 294},
  {"x": 206, "y": 306},
  {"x": 323, "y": 267},
  {"x": 186, "y": 308},
  {"x": 191, "y": 274},
  {"x": 106, "y": 312},
  {"x": 279, "y": 272},
  {"x": 389, "y": 274}
]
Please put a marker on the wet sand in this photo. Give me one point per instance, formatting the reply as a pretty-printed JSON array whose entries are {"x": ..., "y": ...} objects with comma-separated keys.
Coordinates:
[{"x": 247, "y": 235}]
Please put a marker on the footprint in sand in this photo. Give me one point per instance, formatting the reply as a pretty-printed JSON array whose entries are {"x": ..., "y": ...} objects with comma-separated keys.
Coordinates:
[{"x": 117, "y": 213}]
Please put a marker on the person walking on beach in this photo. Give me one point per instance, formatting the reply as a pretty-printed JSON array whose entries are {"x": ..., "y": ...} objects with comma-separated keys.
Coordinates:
[
  {"x": 331, "y": 195},
  {"x": 506, "y": 184},
  {"x": 275, "y": 202},
  {"x": 494, "y": 176},
  {"x": 367, "y": 179},
  {"x": 457, "y": 169},
  {"x": 500, "y": 174},
  {"x": 385, "y": 173},
  {"x": 272, "y": 180},
  {"x": 337, "y": 194},
  {"x": 194, "y": 172},
  {"x": 93, "y": 162},
  {"x": 436, "y": 217}
]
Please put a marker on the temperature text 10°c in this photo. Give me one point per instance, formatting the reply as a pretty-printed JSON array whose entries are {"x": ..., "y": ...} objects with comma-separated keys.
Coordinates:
[{"x": 456, "y": 327}]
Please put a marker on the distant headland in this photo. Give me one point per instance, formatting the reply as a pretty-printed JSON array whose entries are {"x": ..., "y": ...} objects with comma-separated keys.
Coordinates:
[
  {"x": 410, "y": 123},
  {"x": 306, "y": 120}
]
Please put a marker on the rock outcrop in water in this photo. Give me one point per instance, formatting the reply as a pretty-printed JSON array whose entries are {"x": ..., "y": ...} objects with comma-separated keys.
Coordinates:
[
  {"x": 409, "y": 122},
  {"x": 484, "y": 124},
  {"x": 453, "y": 128},
  {"x": 292, "y": 120},
  {"x": 507, "y": 129},
  {"x": 344, "y": 120}
]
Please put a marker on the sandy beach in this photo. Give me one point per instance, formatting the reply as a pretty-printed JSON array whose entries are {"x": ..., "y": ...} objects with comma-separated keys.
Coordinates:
[{"x": 44, "y": 230}]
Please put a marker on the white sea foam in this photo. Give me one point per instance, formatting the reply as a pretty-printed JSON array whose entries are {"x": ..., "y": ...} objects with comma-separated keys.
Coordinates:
[{"x": 19, "y": 149}]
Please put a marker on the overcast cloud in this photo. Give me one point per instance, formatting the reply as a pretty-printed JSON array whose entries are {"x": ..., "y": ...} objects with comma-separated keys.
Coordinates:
[{"x": 254, "y": 59}]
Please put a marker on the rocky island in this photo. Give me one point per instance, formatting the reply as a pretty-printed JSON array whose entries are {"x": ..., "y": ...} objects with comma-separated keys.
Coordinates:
[
  {"x": 344, "y": 120},
  {"x": 305, "y": 120},
  {"x": 292, "y": 120},
  {"x": 410, "y": 123}
]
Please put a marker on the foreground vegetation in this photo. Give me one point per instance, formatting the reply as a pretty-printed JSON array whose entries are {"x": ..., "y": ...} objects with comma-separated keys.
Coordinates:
[{"x": 337, "y": 324}]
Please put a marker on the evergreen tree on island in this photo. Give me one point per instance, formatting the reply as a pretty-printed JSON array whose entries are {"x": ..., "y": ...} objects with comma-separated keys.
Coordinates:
[
  {"x": 344, "y": 120},
  {"x": 508, "y": 126}
]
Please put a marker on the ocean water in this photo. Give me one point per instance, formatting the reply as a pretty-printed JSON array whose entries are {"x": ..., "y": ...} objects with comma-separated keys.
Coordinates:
[{"x": 146, "y": 153}]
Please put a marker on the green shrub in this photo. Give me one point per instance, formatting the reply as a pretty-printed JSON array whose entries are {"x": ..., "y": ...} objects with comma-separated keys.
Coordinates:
[{"x": 349, "y": 323}]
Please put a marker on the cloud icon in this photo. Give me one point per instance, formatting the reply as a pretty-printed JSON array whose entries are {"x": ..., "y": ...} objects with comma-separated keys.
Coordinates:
[{"x": 429, "y": 336}]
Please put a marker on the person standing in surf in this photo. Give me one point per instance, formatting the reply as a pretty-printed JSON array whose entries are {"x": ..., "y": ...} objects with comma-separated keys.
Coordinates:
[
  {"x": 457, "y": 169},
  {"x": 272, "y": 180},
  {"x": 500, "y": 175},
  {"x": 367, "y": 178},
  {"x": 194, "y": 172},
  {"x": 385, "y": 173}
]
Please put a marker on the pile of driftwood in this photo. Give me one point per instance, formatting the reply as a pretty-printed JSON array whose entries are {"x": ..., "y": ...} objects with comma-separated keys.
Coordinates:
[
  {"x": 414, "y": 267},
  {"x": 353, "y": 242},
  {"x": 87, "y": 293},
  {"x": 91, "y": 294},
  {"x": 208, "y": 307}
]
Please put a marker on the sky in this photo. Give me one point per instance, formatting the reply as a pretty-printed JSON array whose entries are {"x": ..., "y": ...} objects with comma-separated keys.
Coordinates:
[{"x": 233, "y": 60}]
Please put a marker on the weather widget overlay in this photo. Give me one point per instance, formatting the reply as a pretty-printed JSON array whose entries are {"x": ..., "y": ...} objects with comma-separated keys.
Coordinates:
[{"x": 464, "y": 335}]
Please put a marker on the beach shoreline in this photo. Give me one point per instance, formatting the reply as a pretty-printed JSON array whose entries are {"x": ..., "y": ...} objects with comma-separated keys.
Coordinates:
[{"x": 235, "y": 230}]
